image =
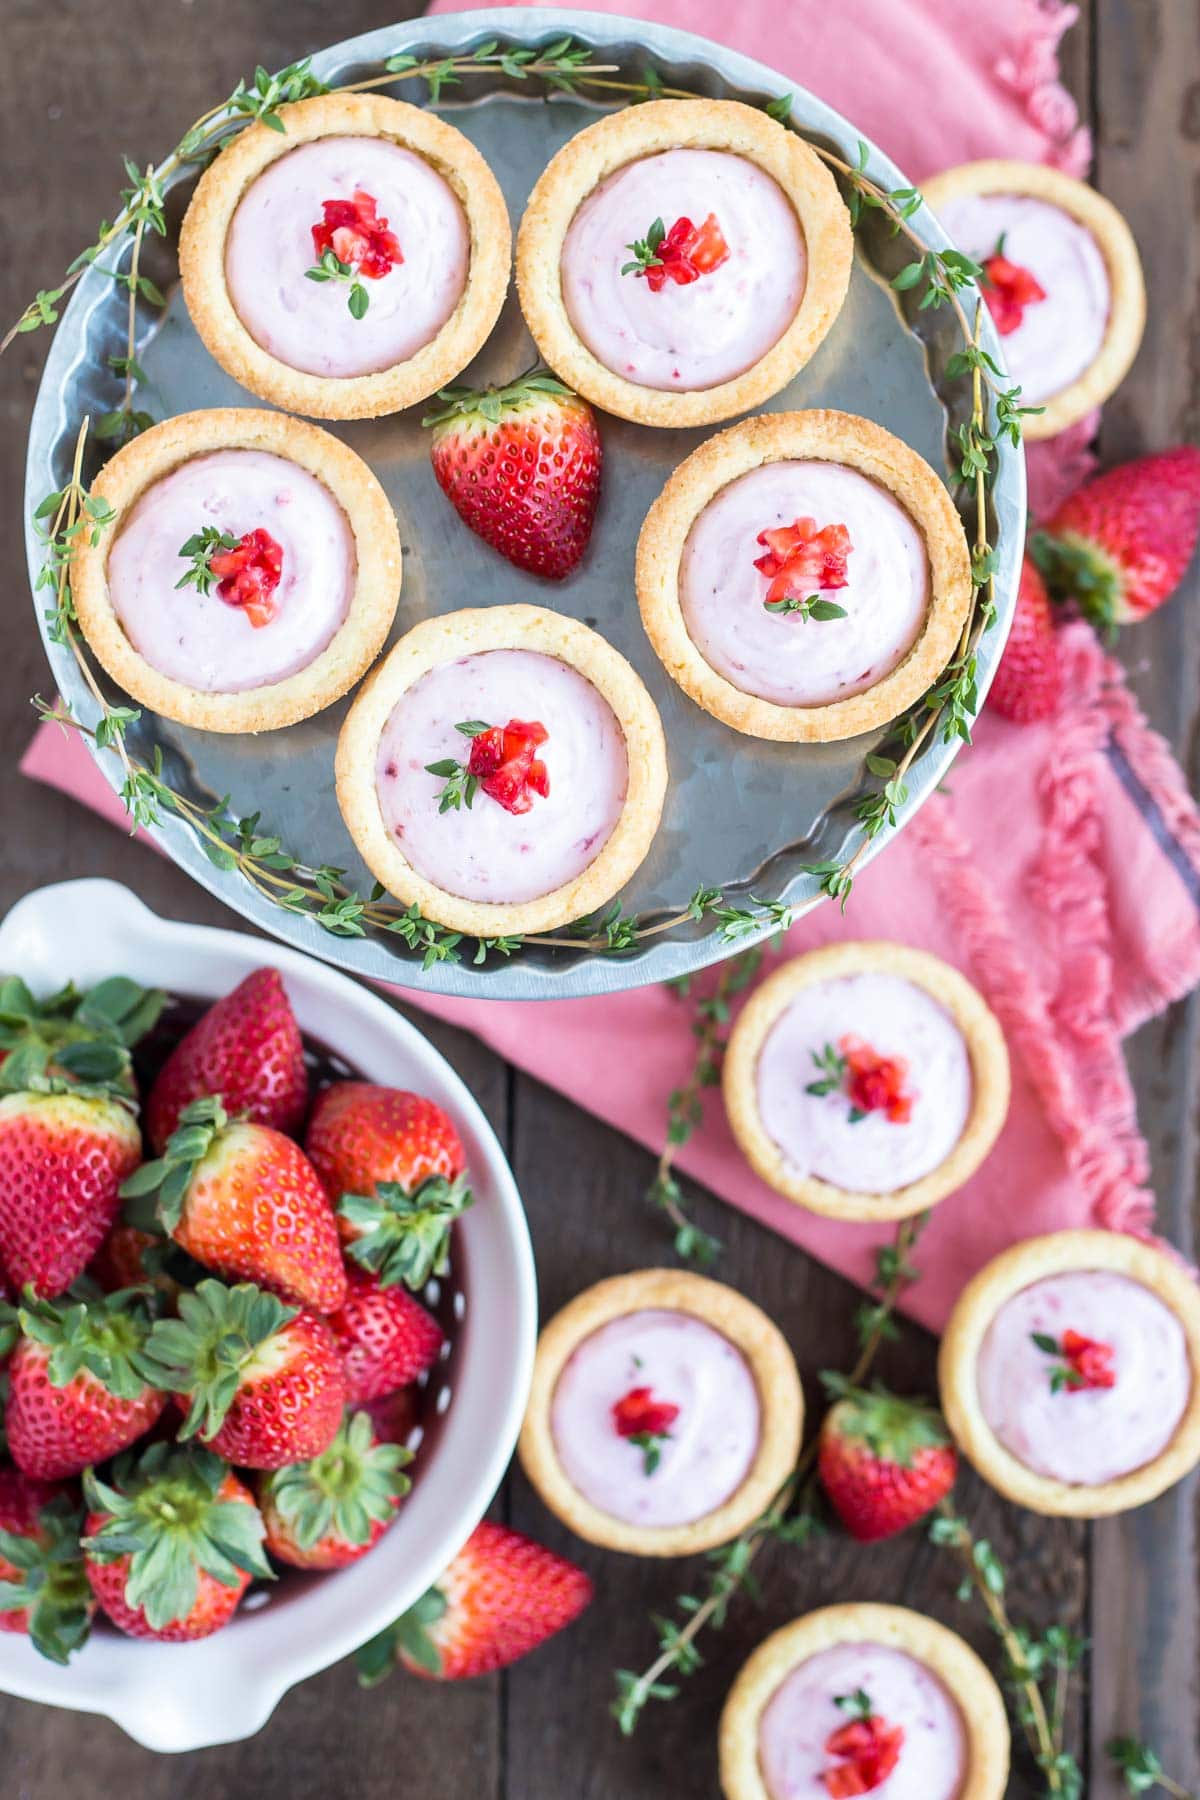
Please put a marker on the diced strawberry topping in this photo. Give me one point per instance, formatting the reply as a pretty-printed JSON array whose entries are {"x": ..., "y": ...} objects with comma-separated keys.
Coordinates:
[
  {"x": 502, "y": 759},
  {"x": 1093, "y": 1362},
  {"x": 639, "y": 1414},
  {"x": 1008, "y": 290},
  {"x": 687, "y": 252},
  {"x": 356, "y": 234},
  {"x": 248, "y": 575},
  {"x": 870, "y": 1748},
  {"x": 799, "y": 558},
  {"x": 875, "y": 1083}
]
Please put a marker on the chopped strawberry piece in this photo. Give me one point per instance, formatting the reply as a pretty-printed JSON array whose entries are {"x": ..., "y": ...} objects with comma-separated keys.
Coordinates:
[
  {"x": 708, "y": 249},
  {"x": 1092, "y": 1361},
  {"x": 870, "y": 1748},
  {"x": 502, "y": 759},
  {"x": 1008, "y": 290},
  {"x": 356, "y": 234},
  {"x": 249, "y": 574},
  {"x": 799, "y": 558},
  {"x": 639, "y": 1414},
  {"x": 875, "y": 1083},
  {"x": 685, "y": 253}
]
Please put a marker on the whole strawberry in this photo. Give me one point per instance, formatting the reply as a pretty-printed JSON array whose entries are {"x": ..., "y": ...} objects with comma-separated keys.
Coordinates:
[
  {"x": 501, "y": 1597},
  {"x": 43, "y": 1587},
  {"x": 329, "y": 1512},
  {"x": 386, "y": 1338},
  {"x": 393, "y": 1165},
  {"x": 521, "y": 466},
  {"x": 260, "y": 1382},
  {"x": 244, "y": 1200},
  {"x": 1119, "y": 545},
  {"x": 1028, "y": 683},
  {"x": 883, "y": 1462},
  {"x": 80, "y": 1387},
  {"x": 172, "y": 1542},
  {"x": 63, "y": 1157},
  {"x": 246, "y": 1051}
]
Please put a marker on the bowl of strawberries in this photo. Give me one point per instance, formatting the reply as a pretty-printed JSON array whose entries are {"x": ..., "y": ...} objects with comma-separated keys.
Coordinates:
[{"x": 268, "y": 1321}]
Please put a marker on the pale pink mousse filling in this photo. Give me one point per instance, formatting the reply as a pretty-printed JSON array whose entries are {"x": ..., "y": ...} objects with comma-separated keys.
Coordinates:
[
  {"x": 803, "y": 1714},
  {"x": 308, "y": 324},
  {"x": 1085, "y": 1435},
  {"x": 199, "y": 639},
  {"x": 712, "y": 1442},
  {"x": 1058, "y": 337},
  {"x": 714, "y": 328},
  {"x": 486, "y": 852},
  {"x": 782, "y": 657},
  {"x": 814, "y": 1131}
]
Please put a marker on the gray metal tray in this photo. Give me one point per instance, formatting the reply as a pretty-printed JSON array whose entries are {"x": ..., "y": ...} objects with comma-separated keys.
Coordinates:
[{"x": 742, "y": 815}]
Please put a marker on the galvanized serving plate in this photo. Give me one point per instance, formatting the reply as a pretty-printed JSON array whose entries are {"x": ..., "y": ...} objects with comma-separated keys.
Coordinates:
[{"x": 742, "y": 815}]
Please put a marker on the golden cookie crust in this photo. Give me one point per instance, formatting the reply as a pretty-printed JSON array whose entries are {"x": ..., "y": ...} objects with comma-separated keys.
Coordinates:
[
  {"x": 459, "y": 634},
  {"x": 1059, "y": 1253},
  {"x": 216, "y": 199},
  {"x": 625, "y": 137},
  {"x": 989, "y": 1072},
  {"x": 352, "y": 650},
  {"x": 1127, "y": 314},
  {"x": 765, "y": 1350},
  {"x": 814, "y": 436},
  {"x": 960, "y": 1671}
]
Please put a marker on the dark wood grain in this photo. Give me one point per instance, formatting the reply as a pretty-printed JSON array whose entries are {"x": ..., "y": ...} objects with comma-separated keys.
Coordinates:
[{"x": 84, "y": 79}]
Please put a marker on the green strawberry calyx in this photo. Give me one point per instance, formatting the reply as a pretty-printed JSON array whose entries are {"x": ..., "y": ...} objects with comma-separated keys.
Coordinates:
[
  {"x": 893, "y": 1430},
  {"x": 343, "y": 1493},
  {"x": 170, "y": 1175},
  {"x": 164, "y": 1512},
  {"x": 221, "y": 1339},
  {"x": 86, "y": 1332},
  {"x": 490, "y": 406},
  {"x": 405, "y": 1235},
  {"x": 1079, "y": 571},
  {"x": 408, "y": 1635},
  {"x": 50, "y": 1581},
  {"x": 73, "y": 1041}
]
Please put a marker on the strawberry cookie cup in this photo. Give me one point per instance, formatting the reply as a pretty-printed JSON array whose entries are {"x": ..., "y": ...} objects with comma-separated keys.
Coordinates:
[
  {"x": 352, "y": 263},
  {"x": 503, "y": 769},
  {"x": 804, "y": 576},
  {"x": 1061, "y": 277},
  {"x": 680, "y": 262},
  {"x": 252, "y": 573},
  {"x": 664, "y": 1416},
  {"x": 854, "y": 1698},
  {"x": 866, "y": 1081},
  {"x": 1070, "y": 1373}
]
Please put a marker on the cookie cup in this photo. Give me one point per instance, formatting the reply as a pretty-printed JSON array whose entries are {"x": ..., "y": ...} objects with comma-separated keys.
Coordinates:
[
  {"x": 628, "y": 136},
  {"x": 747, "y": 1328},
  {"x": 990, "y": 1078},
  {"x": 357, "y": 642},
  {"x": 246, "y": 157},
  {"x": 1061, "y": 1253}
]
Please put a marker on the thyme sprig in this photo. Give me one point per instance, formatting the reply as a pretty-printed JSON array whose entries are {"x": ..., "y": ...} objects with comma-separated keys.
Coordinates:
[
  {"x": 1141, "y": 1770},
  {"x": 332, "y": 268}
]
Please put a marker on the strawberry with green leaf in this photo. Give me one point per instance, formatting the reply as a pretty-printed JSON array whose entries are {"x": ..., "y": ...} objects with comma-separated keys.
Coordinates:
[
  {"x": 883, "y": 1462},
  {"x": 330, "y": 1511},
  {"x": 44, "y": 1589}
]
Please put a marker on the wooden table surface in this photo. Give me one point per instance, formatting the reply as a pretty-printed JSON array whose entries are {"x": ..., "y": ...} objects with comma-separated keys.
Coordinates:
[{"x": 82, "y": 80}]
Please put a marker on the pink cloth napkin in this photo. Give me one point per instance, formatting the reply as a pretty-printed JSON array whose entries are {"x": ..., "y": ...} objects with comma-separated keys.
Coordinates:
[{"x": 1061, "y": 872}]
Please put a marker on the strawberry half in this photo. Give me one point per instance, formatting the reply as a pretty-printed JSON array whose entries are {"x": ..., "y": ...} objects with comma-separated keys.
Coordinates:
[
  {"x": 63, "y": 1157},
  {"x": 247, "y": 1051},
  {"x": 261, "y": 1383},
  {"x": 1119, "y": 545},
  {"x": 1028, "y": 683},
  {"x": 386, "y": 1338},
  {"x": 501, "y": 1597},
  {"x": 80, "y": 1388},
  {"x": 44, "y": 1589},
  {"x": 521, "y": 467},
  {"x": 883, "y": 1462},
  {"x": 172, "y": 1542},
  {"x": 244, "y": 1200},
  {"x": 329, "y": 1512}
]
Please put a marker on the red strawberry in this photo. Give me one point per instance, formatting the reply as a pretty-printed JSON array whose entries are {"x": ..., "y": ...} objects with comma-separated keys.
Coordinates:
[
  {"x": 394, "y": 1166},
  {"x": 1008, "y": 289},
  {"x": 197, "y": 1543},
  {"x": 521, "y": 466},
  {"x": 356, "y": 234},
  {"x": 681, "y": 255},
  {"x": 386, "y": 1338},
  {"x": 63, "y": 1158},
  {"x": 866, "y": 1750},
  {"x": 261, "y": 1383},
  {"x": 1121, "y": 543},
  {"x": 249, "y": 571},
  {"x": 1085, "y": 1362},
  {"x": 244, "y": 1200},
  {"x": 328, "y": 1512},
  {"x": 43, "y": 1588},
  {"x": 798, "y": 558},
  {"x": 245, "y": 1050},
  {"x": 504, "y": 763},
  {"x": 79, "y": 1386},
  {"x": 501, "y": 1597},
  {"x": 1028, "y": 683},
  {"x": 884, "y": 1462},
  {"x": 395, "y": 1417}
]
